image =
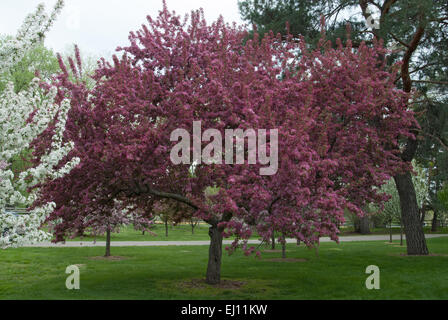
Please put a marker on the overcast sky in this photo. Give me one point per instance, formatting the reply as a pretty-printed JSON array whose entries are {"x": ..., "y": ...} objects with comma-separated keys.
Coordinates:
[{"x": 99, "y": 26}]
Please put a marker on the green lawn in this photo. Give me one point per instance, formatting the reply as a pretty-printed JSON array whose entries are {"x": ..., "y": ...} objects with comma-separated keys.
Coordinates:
[
  {"x": 183, "y": 232},
  {"x": 165, "y": 272},
  {"x": 180, "y": 232}
]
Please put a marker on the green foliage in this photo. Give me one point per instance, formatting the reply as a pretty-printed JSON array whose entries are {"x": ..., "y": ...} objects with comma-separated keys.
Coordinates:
[
  {"x": 443, "y": 197},
  {"x": 38, "y": 59},
  {"x": 269, "y": 15}
]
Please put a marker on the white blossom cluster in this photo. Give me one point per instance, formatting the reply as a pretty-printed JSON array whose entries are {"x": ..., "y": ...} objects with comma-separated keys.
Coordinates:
[
  {"x": 24, "y": 229},
  {"x": 18, "y": 130},
  {"x": 23, "y": 117}
]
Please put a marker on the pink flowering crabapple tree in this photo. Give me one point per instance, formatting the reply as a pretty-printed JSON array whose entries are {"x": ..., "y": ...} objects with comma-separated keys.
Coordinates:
[
  {"x": 336, "y": 111},
  {"x": 24, "y": 115}
]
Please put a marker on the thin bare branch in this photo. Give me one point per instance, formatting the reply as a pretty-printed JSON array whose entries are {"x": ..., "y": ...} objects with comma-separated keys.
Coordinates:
[{"x": 398, "y": 40}]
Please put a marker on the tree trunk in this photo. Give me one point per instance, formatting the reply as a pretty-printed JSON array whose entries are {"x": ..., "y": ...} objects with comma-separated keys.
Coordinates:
[
  {"x": 166, "y": 228},
  {"x": 81, "y": 232},
  {"x": 107, "y": 243},
  {"x": 364, "y": 225},
  {"x": 435, "y": 222},
  {"x": 214, "y": 255},
  {"x": 143, "y": 233},
  {"x": 415, "y": 237},
  {"x": 283, "y": 247},
  {"x": 273, "y": 240},
  {"x": 423, "y": 215},
  {"x": 298, "y": 242},
  {"x": 356, "y": 225},
  {"x": 390, "y": 232},
  {"x": 401, "y": 233}
]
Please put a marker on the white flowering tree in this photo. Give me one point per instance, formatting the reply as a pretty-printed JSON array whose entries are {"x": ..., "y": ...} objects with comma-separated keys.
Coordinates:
[{"x": 23, "y": 117}]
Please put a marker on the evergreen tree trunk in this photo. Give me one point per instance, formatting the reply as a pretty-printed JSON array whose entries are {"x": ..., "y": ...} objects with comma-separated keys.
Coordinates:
[
  {"x": 107, "y": 243},
  {"x": 415, "y": 237},
  {"x": 435, "y": 222},
  {"x": 213, "y": 275}
]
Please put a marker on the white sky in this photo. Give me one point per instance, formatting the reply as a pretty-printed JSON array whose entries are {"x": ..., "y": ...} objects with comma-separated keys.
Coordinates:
[{"x": 99, "y": 26}]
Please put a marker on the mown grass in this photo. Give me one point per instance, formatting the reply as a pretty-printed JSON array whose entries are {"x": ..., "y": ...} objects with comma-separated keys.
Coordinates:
[
  {"x": 181, "y": 232},
  {"x": 338, "y": 272}
]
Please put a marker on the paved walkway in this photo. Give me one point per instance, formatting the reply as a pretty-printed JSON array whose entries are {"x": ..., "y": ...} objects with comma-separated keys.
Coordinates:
[{"x": 70, "y": 244}]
